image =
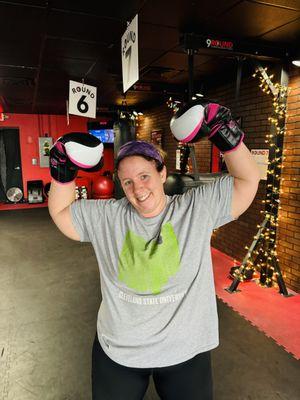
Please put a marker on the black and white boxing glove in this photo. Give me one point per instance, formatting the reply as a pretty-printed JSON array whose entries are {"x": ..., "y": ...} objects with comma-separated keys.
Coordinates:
[
  {"x": 74, "y": 151},
  {"x": 204, "y": 119}
]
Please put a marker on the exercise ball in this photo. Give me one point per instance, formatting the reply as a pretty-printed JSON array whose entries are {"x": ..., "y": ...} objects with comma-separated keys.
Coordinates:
[
  {"x": 103, "y": 187},
  {"x": 176, "y": 183}
]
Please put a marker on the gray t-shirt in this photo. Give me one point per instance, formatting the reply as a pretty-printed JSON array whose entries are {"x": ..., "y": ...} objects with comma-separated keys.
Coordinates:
[{"x": 158, "y": 298}]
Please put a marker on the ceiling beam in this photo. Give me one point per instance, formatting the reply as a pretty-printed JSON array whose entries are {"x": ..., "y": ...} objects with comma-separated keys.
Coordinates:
[{"x": 233, "y": 47}]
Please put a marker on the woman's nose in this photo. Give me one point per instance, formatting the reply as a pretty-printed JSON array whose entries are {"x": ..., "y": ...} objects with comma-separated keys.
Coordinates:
[{"x": 137, "y": 186}]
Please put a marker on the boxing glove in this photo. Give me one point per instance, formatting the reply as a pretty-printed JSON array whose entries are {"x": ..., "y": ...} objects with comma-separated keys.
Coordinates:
[
  {"x": 188, "y": 123},
  {"x": 225, "y": 132},
  {"x": 74, "y": 151},
  {"x": 204, "y": 119}
]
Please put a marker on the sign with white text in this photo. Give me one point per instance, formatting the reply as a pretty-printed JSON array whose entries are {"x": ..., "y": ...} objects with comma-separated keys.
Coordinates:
[
  {"x": 130, "y": 55},
  {"x": 82, "y": 99},
  {"x": 261, "y": 157}
]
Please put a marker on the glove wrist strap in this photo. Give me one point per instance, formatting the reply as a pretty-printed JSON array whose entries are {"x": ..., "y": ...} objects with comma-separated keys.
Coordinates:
[{"x": 227, "y": 137}]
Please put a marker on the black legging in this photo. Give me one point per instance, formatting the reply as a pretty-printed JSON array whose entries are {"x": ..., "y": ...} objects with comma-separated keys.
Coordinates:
[{"x": 190, "y": 380}]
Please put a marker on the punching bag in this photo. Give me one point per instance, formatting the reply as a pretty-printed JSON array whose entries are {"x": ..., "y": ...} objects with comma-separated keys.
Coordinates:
[{"x": 124, "y": 132}]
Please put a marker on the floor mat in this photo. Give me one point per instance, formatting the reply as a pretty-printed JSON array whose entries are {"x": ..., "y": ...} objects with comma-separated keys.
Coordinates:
[{"x": 275, "y": 315}]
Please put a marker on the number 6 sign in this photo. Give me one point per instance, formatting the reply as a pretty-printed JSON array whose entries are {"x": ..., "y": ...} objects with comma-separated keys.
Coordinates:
[{"x": 82, "y": 99}]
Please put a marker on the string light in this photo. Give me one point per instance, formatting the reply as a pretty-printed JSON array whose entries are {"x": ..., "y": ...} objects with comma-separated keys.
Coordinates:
[
  {"x": 173, "y": 104},
  {"x": 263, "y": 255},
  {"x": 131, "y": 115}
]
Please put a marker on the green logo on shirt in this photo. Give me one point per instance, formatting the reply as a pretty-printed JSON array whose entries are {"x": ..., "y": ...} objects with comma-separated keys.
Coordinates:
[{"x": 147, "y": 266}]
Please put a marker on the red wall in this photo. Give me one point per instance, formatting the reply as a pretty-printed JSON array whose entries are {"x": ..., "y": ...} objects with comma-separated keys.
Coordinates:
[{"x": 33, "y": 126}]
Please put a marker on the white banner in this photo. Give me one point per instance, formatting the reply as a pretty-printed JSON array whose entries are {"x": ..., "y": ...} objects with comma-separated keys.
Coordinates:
[
  {"x": 130, "y": 55},
  {"x": 261, "y": 157},
  {"x": 82, "y": 99}
]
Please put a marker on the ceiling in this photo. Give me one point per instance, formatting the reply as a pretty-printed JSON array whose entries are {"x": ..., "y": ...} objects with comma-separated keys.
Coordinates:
[{"x": 44, "y": 44}]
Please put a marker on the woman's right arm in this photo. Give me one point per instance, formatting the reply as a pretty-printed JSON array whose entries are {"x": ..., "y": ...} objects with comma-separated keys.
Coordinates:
[
  {"x": 61, "y": 196},
  {"x": 72, "y": 151}
]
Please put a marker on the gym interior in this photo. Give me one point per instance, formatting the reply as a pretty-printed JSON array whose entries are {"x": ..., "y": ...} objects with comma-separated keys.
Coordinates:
[{"x": 243, "y": 54}]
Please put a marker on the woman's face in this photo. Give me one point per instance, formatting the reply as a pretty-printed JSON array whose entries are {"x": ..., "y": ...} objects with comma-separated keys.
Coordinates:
[{"x": 143, "y": 185}]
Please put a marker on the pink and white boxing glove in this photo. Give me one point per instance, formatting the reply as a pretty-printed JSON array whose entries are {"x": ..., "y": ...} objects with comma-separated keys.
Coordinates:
[
  {"x": 74, "y": 151},
  {"x": 204, "y": 119}
]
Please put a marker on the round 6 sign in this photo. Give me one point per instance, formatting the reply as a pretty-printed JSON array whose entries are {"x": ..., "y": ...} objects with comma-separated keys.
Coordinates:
[{"x": 82, "y": 99}]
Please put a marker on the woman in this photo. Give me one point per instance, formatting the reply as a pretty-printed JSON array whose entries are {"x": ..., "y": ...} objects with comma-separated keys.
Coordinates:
[{"x": 158, "y": 313}]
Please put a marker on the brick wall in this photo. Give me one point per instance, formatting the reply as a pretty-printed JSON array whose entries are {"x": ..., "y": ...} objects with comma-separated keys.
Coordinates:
[
  {"x": 289, "y": 217},
  {"x": 254, "y": 107}
]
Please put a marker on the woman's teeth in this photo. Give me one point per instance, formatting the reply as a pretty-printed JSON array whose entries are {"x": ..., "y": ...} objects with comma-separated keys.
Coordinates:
[{"x": 143, "y": 198}]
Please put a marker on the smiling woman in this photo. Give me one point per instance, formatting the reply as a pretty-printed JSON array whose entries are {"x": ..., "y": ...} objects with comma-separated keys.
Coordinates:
[
  {"x": 143, "y": 185},
  {"x": 142, "y": 173},
  {"x": 158, "y": 313}
]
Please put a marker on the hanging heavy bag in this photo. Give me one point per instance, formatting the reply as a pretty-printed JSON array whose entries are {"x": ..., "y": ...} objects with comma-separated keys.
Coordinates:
[
  {"x": 74, "y": 151},
  {"x": 202, "y": 119}
]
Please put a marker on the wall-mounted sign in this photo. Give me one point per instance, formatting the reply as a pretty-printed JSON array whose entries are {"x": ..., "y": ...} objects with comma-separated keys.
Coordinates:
[
  {"x": 82, "y": 99},
  {"x": 261, "y": 157},
  {"x": 130, "y": 55}
]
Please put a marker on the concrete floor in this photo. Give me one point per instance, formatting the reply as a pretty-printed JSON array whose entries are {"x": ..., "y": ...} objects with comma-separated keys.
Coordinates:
[{"x": 49, "y": 298}]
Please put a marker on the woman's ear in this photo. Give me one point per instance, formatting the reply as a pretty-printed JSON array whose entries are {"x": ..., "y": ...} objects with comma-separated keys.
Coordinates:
[{"x": 163, "y": 174}]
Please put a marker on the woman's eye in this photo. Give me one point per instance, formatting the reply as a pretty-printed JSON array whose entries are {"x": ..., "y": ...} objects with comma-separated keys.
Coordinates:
[
  {"x": 143, "y": 177},
  {"x": 127, "y": 183}
]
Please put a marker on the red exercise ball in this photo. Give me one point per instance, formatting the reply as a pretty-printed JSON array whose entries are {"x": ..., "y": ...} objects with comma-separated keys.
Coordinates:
[{"x": 103, "y": 188}]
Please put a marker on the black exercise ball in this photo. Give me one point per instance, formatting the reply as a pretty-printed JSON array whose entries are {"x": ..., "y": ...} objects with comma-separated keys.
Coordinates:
[{"x": 176, "y": 183}]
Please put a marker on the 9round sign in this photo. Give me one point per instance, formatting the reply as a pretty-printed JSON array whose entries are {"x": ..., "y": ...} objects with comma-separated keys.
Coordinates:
[{"x": 82, "y": 99}]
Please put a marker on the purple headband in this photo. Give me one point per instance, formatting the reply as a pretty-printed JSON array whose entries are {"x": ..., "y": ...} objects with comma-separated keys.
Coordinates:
[{"x": 138, "y": 148}]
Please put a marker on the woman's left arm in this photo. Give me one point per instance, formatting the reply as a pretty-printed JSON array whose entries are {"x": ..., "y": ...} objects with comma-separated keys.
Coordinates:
[
  {"x": 202, "y": 118},
  {"x": 241, "y": 165}
]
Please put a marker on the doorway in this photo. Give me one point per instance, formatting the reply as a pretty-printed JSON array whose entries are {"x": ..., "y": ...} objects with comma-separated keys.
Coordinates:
[{"x": 10, "y": 161}]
